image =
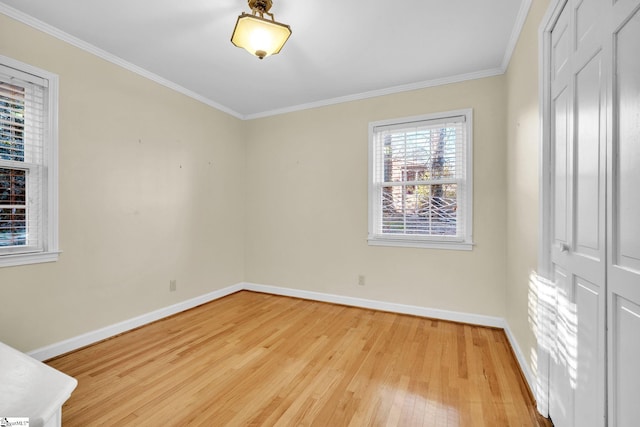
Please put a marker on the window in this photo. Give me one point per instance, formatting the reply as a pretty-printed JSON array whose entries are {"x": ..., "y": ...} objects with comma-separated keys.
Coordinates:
[
  {"x": 28, "y": 164},
  {"x": 420, "y": 186}
]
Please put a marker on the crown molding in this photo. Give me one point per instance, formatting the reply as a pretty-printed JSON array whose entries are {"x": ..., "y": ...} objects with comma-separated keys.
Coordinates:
[
  {"x": 515, "y": 33},
  {"x": 381, "y": 92}
]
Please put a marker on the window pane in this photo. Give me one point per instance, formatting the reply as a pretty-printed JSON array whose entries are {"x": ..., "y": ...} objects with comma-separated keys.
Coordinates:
[
  {"x": 420, "y": 209},
  {"x": 13, "y": 227},
  {"x": 421, "y": 154},
  {"x": 12, "y": 103},
  {"x": 12, "y": 187}
]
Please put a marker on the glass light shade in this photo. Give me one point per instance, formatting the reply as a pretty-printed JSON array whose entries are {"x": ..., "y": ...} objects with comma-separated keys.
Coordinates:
[{"x": 258, "y": 36}]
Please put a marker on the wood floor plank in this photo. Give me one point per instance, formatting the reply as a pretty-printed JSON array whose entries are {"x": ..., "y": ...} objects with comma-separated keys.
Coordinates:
[{"x": 253, "y": 359}]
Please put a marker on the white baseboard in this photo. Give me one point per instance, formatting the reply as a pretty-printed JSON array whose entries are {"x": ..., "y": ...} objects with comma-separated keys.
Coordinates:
[
  {"x": 454, "y": 316},
  {"x": 92, "y": 337},
  {"x": 88, "y": 338},
  {"x": 522, "y": 361}
]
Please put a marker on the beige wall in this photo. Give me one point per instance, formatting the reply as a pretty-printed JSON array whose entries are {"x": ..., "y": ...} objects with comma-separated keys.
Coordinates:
[
  {"x": 523, "y": 142},
  {"x": 307, "y": 204},
  {"x": 150, "y": 190},
  {"x": 156, "y": 186}
]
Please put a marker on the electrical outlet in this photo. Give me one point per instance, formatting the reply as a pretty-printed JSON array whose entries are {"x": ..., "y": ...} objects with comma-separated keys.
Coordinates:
[
  {"x": 361, "y": 280},
  {"x": 172, "y": 285}
]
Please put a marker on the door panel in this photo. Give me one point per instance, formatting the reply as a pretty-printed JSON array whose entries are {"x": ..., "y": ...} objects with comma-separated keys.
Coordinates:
[
  {"x": 623, "y": 241},
  {"x": 628, "y": 147},
  {"x": 561, "y": 153},
  {"x": 587, "y": 168},
  {"x": 560, "y": 46},
  {"x": 586, "y": 17},
  {"x": 589, "y": 384},
  {"x": 626, "y": 354},
  {"x": 562, "y": 367}
]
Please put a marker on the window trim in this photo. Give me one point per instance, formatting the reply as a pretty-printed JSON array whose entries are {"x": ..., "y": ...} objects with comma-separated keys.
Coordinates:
[
  {"x": 415, "y": 241},
  {"x": 50, "y": 251}
]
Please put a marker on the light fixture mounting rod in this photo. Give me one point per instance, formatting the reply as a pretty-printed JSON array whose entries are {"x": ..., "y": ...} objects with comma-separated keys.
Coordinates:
[{"x": 261, "y": 7}]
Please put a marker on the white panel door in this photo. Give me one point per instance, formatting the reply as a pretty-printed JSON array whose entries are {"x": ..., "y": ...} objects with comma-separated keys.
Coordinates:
[
  {"x": 577, "y": 385},
  {"x": 561, "y": 405},
  {"x": 623, "y": 236}
]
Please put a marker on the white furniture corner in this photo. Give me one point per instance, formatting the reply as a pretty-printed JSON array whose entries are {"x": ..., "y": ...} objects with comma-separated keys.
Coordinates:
[{"x": 29, "y": 388}]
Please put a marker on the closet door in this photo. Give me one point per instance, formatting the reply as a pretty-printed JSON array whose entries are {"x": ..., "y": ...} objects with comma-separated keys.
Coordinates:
[
  {"x": 623, "y": 272},
  {"x": 577, "y": 383}
]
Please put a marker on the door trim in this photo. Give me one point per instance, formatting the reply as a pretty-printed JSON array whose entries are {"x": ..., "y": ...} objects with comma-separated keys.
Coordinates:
[{"x": 545, "y": 289}]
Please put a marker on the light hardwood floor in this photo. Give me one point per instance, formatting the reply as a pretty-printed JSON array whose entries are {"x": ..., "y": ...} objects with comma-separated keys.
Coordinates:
[{"x": 257, "y": 359}]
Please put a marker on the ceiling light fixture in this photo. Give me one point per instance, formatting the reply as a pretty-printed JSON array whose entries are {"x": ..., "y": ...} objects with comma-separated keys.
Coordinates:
[{"x": 258, "y": 35}]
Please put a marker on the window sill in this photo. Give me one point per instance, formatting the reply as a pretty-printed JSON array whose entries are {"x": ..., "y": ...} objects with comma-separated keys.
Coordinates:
[
  {"x": 28, "y": 258},
  {"x": 426, "y": 244}
]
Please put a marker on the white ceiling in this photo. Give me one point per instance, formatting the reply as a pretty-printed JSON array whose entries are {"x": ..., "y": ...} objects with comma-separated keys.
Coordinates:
[{"x": 339, "y": 49}]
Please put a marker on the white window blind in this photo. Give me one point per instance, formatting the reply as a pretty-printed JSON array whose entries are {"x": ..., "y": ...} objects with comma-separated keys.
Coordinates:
[
  {"x": 26, "y": 204},
  {"x": 420, "y": 187}
]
